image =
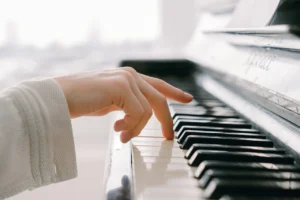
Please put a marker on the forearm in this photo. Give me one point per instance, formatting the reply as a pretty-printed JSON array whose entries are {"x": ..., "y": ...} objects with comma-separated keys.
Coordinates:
[{"x": 36, "y": 145}]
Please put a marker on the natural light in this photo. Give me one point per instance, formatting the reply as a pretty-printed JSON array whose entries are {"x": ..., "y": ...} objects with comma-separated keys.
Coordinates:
[{"x": 42, "y": 22}]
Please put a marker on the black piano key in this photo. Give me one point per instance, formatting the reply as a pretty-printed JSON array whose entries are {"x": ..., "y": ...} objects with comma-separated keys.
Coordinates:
[
  {"x": 219, "y": 134},
  {"x": 247, "y": 176},
  {"x": 188, "y": 110},
  {"x": 242, "y": 166},
  {"x": 222, "y": 123},
  {"x": 191, "y": 106},
  {"x": 195, "y": 139},
  {"x": 217, "y": 108},
  {"x": 212, "y": 103},
  {"x": 200, "y": 112},
  {"x": 209, "y": 128},
  {"x": 213, "y": 119},
  {"x": 222, "y": 114},
  {"x": 229, "y": 148},
  {"x": 206, "y": 114},
  {"x": 183, "y": 117},
  {"x": 202, "y": 155},
  {"x": 217, "y": 188},
  {"x": 204, "y": 96}
]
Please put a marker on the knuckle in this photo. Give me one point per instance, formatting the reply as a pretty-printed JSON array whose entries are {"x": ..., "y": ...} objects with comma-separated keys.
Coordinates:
[
  {"x": 140, "y": 112},
  {"x": 130, "y": 70},
  {"x": 162, "y": 99},
  {"x": 128, "y": 122},
  {"x": 127, "y": 75},
  {"x": 122, "y": 82},
  {"x": 149, "y": 113}
]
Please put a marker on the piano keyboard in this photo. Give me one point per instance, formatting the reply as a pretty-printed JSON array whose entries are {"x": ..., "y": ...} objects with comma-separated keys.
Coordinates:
[{"x": 216, "y": 154}]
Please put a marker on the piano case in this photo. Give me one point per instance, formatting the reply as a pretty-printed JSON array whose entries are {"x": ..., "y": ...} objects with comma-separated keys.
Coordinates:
[{"x": 239, "y": 138}]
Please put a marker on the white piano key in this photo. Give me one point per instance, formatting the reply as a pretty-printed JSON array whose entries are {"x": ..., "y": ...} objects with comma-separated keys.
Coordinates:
[
  {"x": 147, "y": 159},
  {"x": 162, "y": 154},
  {"x": 151, "y": 133},
  {"x": 162, "y": 176},
  {"x": 168, "y": 169},
  {"x": 149, "y": 141},
  {"x": 167, "y": 181},
  {"x": 164, "y": 151},
  {"x": 171, "y": 194},
  {"x": 159, "y": 168},
  {"x": 169, "y": 166},
  {"x": 154, "y": 148}
]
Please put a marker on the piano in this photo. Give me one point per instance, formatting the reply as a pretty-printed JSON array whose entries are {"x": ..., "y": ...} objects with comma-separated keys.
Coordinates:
[{"x": 239, "y": 139}]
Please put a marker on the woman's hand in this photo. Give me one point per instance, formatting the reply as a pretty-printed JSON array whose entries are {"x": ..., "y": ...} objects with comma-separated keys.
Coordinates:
[{"x": 98, "y": 93}]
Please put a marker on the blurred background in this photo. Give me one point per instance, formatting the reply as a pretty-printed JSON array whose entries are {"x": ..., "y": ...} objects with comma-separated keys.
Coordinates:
[
  {"x": 41, "y": 38},
  {"x": 45, "y": 38}
]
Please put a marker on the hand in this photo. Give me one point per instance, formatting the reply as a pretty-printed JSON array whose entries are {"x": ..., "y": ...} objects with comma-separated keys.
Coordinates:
[{"x": 98, "y": 93}]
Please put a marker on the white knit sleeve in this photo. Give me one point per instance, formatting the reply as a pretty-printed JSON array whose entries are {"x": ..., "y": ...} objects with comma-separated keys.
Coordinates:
[{"x": 36, "y": 140}]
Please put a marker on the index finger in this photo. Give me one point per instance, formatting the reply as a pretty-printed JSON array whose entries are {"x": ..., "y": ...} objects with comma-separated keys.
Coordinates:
[
  {"x": 160, "y": 107},
  {"x": 168, "y": 90}
]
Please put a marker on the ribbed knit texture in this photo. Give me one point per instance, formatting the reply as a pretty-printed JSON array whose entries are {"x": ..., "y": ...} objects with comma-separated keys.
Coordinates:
[{"x": 36, "y": 140}]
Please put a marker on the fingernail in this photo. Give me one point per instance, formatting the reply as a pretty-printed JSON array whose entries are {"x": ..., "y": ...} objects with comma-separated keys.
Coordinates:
[{"x": 188, "y": 95}]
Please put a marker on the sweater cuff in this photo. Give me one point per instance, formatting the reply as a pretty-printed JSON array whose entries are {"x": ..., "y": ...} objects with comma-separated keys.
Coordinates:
[{"x": 44, "y": 109}]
